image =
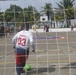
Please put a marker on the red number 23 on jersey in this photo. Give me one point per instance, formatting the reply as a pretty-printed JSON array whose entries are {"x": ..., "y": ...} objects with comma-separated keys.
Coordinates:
[{"x": 21, "y": 41}]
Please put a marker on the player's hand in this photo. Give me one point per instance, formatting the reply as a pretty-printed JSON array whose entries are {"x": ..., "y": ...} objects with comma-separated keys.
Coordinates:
[
  {"x": 33, "y": 50},
  {"x": 14, "y": 47}
]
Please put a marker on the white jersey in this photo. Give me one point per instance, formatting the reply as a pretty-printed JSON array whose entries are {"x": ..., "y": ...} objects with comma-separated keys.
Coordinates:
[{"x": 23, "y": 39}]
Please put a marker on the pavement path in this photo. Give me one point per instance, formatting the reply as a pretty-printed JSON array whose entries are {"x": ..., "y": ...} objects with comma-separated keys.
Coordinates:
[{"x": 55, "y": 56}]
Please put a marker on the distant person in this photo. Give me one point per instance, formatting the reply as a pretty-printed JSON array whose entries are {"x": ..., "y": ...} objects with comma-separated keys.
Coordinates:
[
  {"x": 35, "y": 27},
  {"x": 7, "y": 30},
  {"x": 72, "y": 27},
  {"x": 44, "y": 27},
  {"x": 2, "y": 31},
  {"x": 47, "y": 28},
  {"x": 22, "y": 42}
]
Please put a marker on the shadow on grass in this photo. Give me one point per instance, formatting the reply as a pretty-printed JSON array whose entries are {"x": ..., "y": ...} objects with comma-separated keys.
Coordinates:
[
  {"x": 71, "y": 65},
  {"x": 41, "y": 70}
]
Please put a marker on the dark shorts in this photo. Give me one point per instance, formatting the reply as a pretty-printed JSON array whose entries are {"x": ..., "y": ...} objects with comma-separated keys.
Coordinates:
[{"x": 21, "y": 55}]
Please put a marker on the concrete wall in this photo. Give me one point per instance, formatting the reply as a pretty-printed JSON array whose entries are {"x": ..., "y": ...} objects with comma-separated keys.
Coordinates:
[{"x": 55, "y": 30}]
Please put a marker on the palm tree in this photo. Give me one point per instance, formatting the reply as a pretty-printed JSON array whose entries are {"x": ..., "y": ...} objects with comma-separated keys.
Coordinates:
[
  {"x": 31, "y": 14},
  {"x": 48, "y": 9},
  {"x": 12, "y": 13},
  {"x": 65, "y": 3},
  {"x": 67, "y": 7}
]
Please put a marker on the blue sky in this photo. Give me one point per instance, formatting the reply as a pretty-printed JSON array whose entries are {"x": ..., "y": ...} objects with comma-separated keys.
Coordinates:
[{"x": 25, "y": 3}]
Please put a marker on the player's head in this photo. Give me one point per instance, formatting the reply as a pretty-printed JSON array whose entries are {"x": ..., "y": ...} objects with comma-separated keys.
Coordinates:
[{"x": 25, "y": 26}]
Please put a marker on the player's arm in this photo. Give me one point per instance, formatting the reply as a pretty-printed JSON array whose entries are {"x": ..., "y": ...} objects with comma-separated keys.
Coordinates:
[
  {"x": 14, "y": 40},
  {"x": 32, "y": 43}
]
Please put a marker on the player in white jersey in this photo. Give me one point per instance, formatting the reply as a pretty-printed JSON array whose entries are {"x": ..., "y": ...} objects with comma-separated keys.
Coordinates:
[{"x": 22, "y": 41}]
